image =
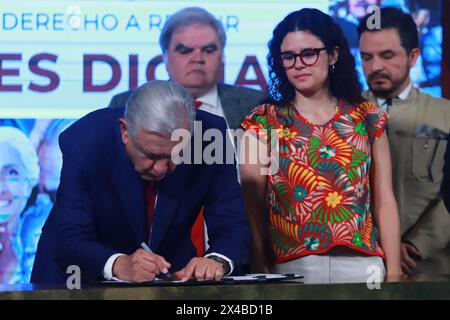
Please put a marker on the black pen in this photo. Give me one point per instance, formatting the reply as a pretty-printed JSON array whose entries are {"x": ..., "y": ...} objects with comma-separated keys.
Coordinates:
[{"x": 167, "y": 275}]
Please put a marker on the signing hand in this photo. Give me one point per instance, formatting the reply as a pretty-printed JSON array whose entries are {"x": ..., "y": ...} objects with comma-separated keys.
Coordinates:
[
  {"x": 200, "y": 269},
  {"x": 140, "y": 266}
]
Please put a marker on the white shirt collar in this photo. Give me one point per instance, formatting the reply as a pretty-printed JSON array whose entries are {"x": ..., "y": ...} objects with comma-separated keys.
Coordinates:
[
  {"x": 402, "y": 96},
  {"x": 210, "y": 98},
  {"x": 405, "y": 93}
]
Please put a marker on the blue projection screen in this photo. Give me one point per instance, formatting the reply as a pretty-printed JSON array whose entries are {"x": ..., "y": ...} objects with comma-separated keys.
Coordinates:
[{"x": 60, "y": 60}]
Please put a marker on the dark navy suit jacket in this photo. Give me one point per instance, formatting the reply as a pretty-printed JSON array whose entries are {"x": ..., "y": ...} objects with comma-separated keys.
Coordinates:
[{"x": 100, "y": 208}]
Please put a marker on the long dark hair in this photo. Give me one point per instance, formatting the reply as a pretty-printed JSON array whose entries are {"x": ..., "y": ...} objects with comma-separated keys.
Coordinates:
[{"x": 344, "y": 81}]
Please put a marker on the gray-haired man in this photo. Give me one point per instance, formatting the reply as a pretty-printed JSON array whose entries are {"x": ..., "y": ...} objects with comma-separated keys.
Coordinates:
[
  {"x": 192, "y": 42},
  {"x": 120, "y": 187}
]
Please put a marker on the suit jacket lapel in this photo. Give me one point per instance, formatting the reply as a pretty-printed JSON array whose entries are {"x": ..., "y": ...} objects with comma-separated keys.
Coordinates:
[{"x": 231, "y": 105}]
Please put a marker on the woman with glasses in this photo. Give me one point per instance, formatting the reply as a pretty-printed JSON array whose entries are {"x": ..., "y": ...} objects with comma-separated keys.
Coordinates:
[{"x": 321, "y": 180}]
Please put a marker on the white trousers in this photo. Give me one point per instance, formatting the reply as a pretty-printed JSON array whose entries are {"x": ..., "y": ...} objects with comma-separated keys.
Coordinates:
[{"x": 335, "y": 268}]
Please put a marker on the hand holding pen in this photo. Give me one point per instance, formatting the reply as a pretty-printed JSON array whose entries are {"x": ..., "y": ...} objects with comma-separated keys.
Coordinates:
[
  {"x": 166, "y": 275},
  {"x": 141, "y": 266}
]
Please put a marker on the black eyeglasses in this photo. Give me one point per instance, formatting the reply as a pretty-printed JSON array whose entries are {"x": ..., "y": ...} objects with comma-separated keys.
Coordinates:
[{"x": 309, "y": 57}]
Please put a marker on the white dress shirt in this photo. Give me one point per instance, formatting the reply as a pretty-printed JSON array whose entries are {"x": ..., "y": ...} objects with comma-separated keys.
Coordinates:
[{"x": 402, "y": 96}]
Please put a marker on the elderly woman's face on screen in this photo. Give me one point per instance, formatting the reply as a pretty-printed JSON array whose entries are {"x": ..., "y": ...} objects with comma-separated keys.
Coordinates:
[{"x": 14, "y": 187}]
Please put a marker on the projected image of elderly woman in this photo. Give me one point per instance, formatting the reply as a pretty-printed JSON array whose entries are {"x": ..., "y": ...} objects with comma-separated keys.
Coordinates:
[
  {"x": 34, "y": 217},
  {"x": 19, "y": 173}
]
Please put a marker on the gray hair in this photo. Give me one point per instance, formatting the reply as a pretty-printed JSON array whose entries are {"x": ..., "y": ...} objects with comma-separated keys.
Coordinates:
[
  {"x": 186, "y": 17},
  {"x": 161, "y": 107},
  {"x": 18, "y": 141}
]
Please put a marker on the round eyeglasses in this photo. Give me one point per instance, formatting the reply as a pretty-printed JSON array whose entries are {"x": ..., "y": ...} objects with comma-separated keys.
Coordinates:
[{"x": 308, "y": 57}]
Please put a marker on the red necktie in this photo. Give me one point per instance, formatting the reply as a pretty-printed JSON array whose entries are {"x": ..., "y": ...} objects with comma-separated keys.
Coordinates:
[
  {"x": 150, "y": 197},
  {"x": 198, "y": 234},
  {"x": 197, "y": 104},
  {"x": 198, "y": 229}
]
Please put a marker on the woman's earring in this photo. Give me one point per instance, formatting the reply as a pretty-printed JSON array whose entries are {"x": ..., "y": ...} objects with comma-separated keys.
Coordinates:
[{"x": 332, "y": 68}]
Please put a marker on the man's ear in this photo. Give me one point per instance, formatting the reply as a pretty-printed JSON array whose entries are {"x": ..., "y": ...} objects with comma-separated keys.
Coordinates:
[
  {"x": 413, "y": 56},
  {"x": 123, "y": 130}
]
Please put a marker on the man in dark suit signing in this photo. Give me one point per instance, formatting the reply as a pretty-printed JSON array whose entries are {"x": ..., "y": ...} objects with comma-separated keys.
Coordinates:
[
  {"x": 192, "y": 42},
  {"x": 120, "y": 187}
]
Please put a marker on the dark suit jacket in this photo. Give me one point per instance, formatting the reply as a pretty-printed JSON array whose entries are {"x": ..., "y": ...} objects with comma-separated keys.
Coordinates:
[
  {"x": 100, "y": 207},
  {"x": 237, "y": 102}
]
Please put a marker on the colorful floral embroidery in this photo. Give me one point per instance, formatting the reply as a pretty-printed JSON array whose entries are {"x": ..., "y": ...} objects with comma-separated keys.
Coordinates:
[{"x": 320, "y": 196}]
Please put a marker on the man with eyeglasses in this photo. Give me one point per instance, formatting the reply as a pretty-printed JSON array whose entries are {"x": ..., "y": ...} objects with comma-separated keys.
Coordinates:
[{"x": 417, "y": 130}]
